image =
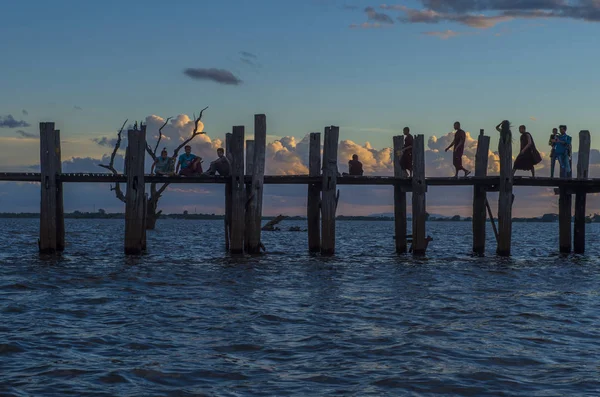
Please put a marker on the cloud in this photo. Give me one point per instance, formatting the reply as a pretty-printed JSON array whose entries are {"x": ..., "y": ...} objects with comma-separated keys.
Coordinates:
[
  {"x": 220, "y": 76},
  {"x": 365, "y": 25},
  {"x": 25, "y": 134},
  {"x": 247, "y": 54},
  {"x": 77, "y": 107},
  {"x": 106, "y": 141},
  {"x": 25, "y": 112},
  {"x": 10, "y": 122},
  {"x": 447, "y": 34},
  {"x": 378, "y": 16},
  {"x": 532, "y": 118}
]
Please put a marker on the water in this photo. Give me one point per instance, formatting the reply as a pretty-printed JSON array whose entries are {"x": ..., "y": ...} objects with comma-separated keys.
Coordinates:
[{"x": 187, "y": 320}]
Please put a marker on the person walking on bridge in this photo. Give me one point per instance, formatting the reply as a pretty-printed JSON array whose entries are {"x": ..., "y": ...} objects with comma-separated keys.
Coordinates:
[{"x": 459, "y": 147}]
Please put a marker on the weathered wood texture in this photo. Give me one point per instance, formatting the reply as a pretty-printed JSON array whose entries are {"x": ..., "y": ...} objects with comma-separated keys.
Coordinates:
[
  {"x": 583, "y": 163},
  {"x": 48, "y": 171},
  {"x": 314, "y": 193},
  {"x": 480, "y": 195},
  {"x": 329, "y": 189},
  {"x": 227, "y": 220},
  {"x": 60, "y": 209},
  {"x": 505, "y": 196},
  {"x": 418, "y": 196},
  {"x": 238, "y": 193},
  {"x": 135, "y": 210},
  {"x": 248, "y": 172},
  {"x": 399, "y": 199},
  {"x": 255, "y": 198},
  {"x": 564, "y": 220}
]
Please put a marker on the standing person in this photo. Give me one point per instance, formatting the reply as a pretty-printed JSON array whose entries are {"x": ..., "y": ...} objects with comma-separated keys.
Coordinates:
[
  {"x": 163, "y": 165},
  {"x": 552, "y": 151},
  {"x": 459, "y": 147},
  {"x": 220, "y": 165},
  {"x": 406, "y": 163},
  {"x": 562, "y": 150},
  {"x": 190, "y": 163},
  {"x": 528, "y": 156}
]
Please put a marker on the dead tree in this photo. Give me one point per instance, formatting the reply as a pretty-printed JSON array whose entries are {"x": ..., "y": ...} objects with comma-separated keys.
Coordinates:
[{"x": 151, "y": 214}]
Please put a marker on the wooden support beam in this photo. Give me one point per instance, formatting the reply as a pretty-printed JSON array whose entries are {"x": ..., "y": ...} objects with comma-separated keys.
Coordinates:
[
  {"x": 255, "y": 198},
  {"x": 583, "y": 163},
  {"x": 480, "y": 195},
  {"x": 399, "y": 199},
  {"x": 505, "y": 196},
  {"x": 314, "y": 193},
  {"x": 418, "y": 196},
  {"x": 564, "y": 220},
  {"x": 248, "y": 181},
  {"x": 135, "y": 209},
  {"x": 60, "y": 209},
  {"x": 238, "y": 193},
  {"x": 227, "y": 220},
  {"x": 48, "y": 171},
  {"x": 329, "y": 190}
]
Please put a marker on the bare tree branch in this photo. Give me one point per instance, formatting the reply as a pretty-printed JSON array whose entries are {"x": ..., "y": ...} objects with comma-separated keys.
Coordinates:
[
  {"x": 149, "y": 149},
  {"x": 111, "y": 165},
  {"x": 195, "y": 133}
]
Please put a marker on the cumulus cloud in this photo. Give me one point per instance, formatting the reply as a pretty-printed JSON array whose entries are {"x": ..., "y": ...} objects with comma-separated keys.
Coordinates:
[
  {"x": 220, "y": 76},
  {"x": 10, "y": 122}
]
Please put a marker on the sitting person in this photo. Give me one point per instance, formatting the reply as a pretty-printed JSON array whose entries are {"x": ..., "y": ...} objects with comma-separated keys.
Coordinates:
[
  {"x": 354, "y": 166},
  {"x": 220, "y": 165},
  {"x": 190, "y": 163},
  {"x": 163, "y": 166}
]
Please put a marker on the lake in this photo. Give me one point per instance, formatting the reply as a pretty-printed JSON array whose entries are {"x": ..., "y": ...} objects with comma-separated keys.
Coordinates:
[{"x": 189, "y": 320}]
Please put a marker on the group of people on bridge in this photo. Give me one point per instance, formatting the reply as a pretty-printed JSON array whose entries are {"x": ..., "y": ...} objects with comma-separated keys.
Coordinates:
[
  {"x": 189, "y": 164},
  {"x": 526, "y": 160}
]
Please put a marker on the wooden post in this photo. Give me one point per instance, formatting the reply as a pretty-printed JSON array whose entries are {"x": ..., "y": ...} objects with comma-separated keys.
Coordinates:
[
  {"x": 314, "y": 193},
  {"x": 564, "y": 220},
  {"x": 48, "y": 171},
  {"x": 255, "y": 197},
  {"x": 248, "y": 172},
  {"x": 419, "y": 188},
  {"x": 136, "y": 193},
  {"x": 505, "y": 195},
  {"x": 399, "y": 199},
  {"x": 479, "y": 194},
  {"x": 329, "y": 190},
  {"x": 583, "y": 162},
  {"x": 227, "y": 220},
  {"x": 60, "y": 209},
  {"x": 238, "y": 194}
]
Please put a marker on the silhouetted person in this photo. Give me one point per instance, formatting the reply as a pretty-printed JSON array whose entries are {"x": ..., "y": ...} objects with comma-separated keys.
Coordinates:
[
  {"x": 562, "y": 150},
  {"x": 220, "y": 165},
  {"x": 528, "y": 156},
  {"x": 406, "y": 153},
  {"x": 459, "y": 147},
  {"x": 355, "y": 167},
  {"x": 163, "y": 164},
  {"x": 553, "y": 158},
  {"x": 190, "y": 163}
]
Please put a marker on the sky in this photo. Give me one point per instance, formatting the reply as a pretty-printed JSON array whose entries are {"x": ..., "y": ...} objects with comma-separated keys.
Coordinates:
[{"x": 368, "y": 67}]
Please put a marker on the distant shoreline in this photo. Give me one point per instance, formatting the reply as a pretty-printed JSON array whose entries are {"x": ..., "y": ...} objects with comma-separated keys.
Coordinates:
[{"x": 547, "y": 218}]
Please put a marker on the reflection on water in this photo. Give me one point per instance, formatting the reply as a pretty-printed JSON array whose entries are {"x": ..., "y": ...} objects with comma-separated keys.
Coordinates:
[{"x": 187, "y": 319}]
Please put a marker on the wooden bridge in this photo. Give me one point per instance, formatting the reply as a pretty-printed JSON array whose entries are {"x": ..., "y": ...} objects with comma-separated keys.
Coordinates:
[{"x": 244, "y": 190}]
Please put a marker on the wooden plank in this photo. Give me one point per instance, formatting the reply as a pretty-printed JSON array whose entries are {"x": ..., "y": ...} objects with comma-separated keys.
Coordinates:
[
  {"x": 136, "y": 193},
  {"x": 227, "y": 220},
  {"x": 314, "y": 193},
  {"x": 255, "y": 198},
  {"x": 48, "y": 209},
  {"x": 418, "y": 196},
  {"x": 480, "y": 195},
  {"x": 505, "y": 195},
  {"x": 238, "y": 193},
  {"x": 583, "y": 163},
  {"x": 60, "y": 209},
  {"x": 329, "y": 190},
  {"x": 399, "y": 199}
]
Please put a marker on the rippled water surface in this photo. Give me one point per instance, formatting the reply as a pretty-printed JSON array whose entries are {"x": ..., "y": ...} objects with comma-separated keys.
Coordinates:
[{"x": 188, "y": 320}]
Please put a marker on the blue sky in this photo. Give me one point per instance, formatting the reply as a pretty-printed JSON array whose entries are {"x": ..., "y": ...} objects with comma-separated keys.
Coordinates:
[{"x": 90, "y": 65}]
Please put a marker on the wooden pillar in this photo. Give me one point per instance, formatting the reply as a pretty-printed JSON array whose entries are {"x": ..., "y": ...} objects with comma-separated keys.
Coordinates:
[
  {"x": 479, "y": 194},
  {"x": 505, "y": 195},
  {"x": 255, "y": 197},
  {"x": 583, "y": 162},
  {"x": 248, "y": 173},
  {"x": 48, "y": 207},
  {"x": 399, "y": 199},
  {"x": 564, "y": 220},
  {"x": 227, "y": 220},
  {"x": 419, "y": 188},
  {"x": 135, "y": 203},
  {"x": 329, "y": 190},
  {"x": 60, "y": 209},
  {"x": 314, "y": 193},
  {"x": 238, "y": 194}
]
